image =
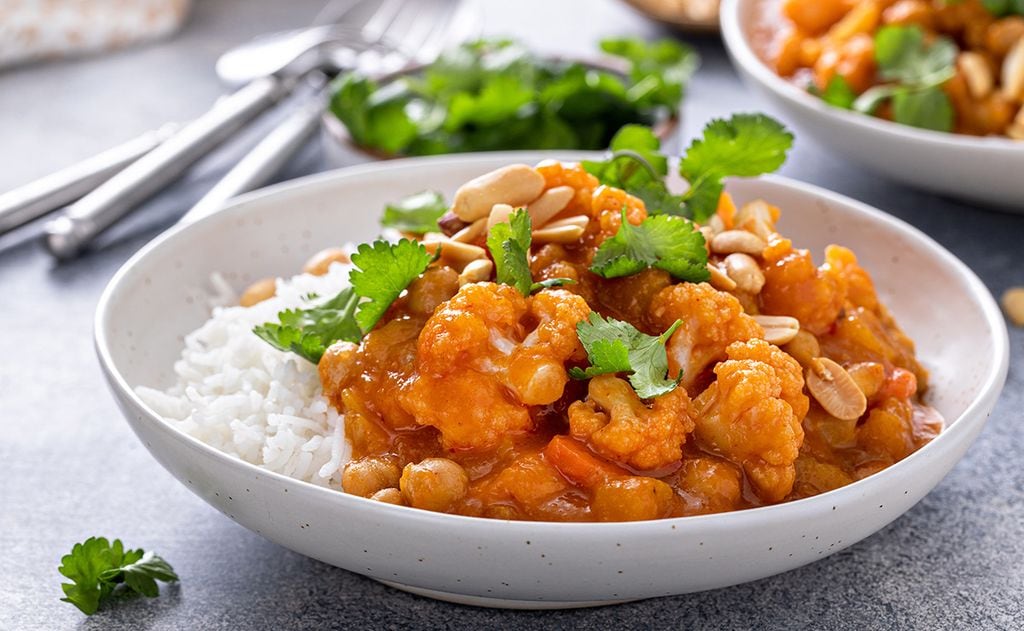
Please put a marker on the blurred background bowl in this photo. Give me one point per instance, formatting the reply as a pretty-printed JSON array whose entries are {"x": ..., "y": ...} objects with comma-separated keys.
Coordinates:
[{"x": 987, "y": 170}]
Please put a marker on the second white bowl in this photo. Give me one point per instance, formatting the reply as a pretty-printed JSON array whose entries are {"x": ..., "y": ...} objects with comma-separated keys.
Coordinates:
[{"x": 989, "y": 170}]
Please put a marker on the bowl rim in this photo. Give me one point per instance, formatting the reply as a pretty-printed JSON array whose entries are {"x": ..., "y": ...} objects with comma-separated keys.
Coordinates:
[
  {"x": 739, "y": 48},
  {"x": 954, "y": 428}
]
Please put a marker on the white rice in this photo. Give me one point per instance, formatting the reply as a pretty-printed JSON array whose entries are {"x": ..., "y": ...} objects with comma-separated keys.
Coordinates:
[{"x": 242, "y": 396}]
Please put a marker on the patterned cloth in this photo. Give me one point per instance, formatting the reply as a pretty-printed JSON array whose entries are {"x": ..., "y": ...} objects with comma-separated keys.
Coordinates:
[{"x": 47, "y": 29}]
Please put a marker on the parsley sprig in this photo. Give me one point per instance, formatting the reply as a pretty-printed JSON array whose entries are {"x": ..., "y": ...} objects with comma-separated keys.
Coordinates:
[
  {"x": 614, "y": 346},
  {"x": 100, "y": 570},
  {"x": 383, "y": 271}
]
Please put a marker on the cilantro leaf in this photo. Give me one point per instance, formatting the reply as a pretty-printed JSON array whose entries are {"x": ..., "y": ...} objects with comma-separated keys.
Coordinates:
[
  {"x": 551, "y": 282},
  {"x": 308, "y": 332},
  {"x": 665, "y": 242},
  {"x": 383, "y": 271},
  {"x": 929, "y": 108},
  {"x": 416, "y": 214},
  {"x": 837, "y": 93},
  {"x": 638, "y": 167},
  {"x": 98, "y": 569},
  {"x": 614, "y": 346},
  {"x": 509, "y": 244},
  {"x": 903, "y": 56},
  {"x": 746, "y": 145},
  {"x": 660, "y": 69}
]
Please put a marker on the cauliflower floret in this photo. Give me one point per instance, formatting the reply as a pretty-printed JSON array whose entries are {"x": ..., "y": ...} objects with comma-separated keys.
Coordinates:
[
  {"x": 795, "y": 287},
  {"x": 493, "y": 352},
  {"x": 618, "y": 426},
  {"x": 752, "y": 415},
  {"x": 709, "y": 485},
  {"x": 711, "y": 321}
]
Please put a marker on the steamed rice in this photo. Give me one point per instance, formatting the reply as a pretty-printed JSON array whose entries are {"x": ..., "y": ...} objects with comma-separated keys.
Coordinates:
[{"x": 242, "y": 396}]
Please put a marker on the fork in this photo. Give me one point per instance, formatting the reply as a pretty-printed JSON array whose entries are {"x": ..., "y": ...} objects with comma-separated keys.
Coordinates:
[{"x": 377, "y": 44}]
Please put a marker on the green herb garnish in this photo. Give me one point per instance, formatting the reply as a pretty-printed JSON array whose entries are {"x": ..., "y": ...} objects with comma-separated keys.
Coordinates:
[
  {"x": 664, "y": 242},
  {"x": 746, "y": 145},
  {"x": 100, "y": 570},
  {"x": 415, "y": 214},
  {"x": 915, "y": 70},
  {"x": 614, "y": 346},
  {"x": 308, "y": 332},
  {"x": 509, "y": 244},
  {"x": 490, "y": 95},
  {"x": 383, "y": 271}
]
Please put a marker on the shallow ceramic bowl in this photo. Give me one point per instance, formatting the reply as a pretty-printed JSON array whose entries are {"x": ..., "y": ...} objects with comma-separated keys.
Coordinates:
[
  {"x": 158, "y": 297},
  {"x": 981, "y": 169}
]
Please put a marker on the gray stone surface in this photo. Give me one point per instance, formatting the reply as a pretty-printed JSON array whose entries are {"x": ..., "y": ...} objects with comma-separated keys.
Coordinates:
[{"x": 70, "y": 467}]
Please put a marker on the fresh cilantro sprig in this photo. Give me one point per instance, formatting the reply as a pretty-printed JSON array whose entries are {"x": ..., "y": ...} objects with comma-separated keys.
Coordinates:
[
  {"x": 746, "y": 145},
  {"x": 100, "y": 569},
  {"x": 383, "y": 271},
  {"x": 664, "y": 242},
  {"x": 614, "y": 346},
  {"x": 1003, "y": 8},
  {"x": 308, "y": 332},
  {"x": 914, "y": 70},
  {"x": 509, "y": 245},
  {"x": 493, "y": 94},
  {"x": 415, "y": 214}
]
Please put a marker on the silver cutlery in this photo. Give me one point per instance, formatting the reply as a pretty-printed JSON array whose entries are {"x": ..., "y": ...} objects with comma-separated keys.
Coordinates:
[{"x": 90, "y": 216}]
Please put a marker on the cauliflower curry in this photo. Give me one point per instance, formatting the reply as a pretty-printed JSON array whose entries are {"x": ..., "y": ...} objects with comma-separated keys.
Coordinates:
[{"x": 466, "y": 397}]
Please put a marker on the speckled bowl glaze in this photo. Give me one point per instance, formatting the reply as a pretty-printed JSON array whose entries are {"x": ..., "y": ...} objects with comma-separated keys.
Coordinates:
[
  {"x": 987, "y": 170},
  {"x": 159, "y": 296}
]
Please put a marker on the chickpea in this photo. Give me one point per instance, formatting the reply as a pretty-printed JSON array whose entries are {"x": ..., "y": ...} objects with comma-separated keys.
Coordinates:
[
  {"x": 434, "y": 484},
  {"x": 632, "y": 499},
  {"x": 336, "y": 365},
  {"x": 390, "y": 495},
  {"x": 787, "y": 58},
  {"x": 857, "y": 62},
  {"x": 367, "y": 476},
  {"x": 537, "y": 381},
  {"x": 1001, "y": 35},
  {"x": 435, "y": 286},
  {"x": 906, "y": 12},
  {"x": 261, "y": 290},
  {"x": 814, "y": 16},
  {"x": 320, "y": 263},
  {"x": 803, "y": 348}
]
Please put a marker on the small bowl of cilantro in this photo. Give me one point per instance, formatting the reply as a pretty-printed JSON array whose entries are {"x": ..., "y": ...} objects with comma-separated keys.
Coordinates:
[
  {"x": 492, "y": 95},
  {"x": 905, "y": 89}
]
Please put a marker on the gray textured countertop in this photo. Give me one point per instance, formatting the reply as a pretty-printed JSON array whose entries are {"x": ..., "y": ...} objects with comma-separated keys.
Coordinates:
[{"x": 70, "y": 467}]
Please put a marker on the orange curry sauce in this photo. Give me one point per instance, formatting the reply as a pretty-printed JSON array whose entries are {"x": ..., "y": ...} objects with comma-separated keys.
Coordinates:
[{"x": 477, "y": 376}]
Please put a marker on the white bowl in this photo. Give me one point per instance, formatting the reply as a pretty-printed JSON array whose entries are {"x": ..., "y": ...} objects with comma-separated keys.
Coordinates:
[
  {"x": 158, "y": 297},
  {"x": 989, "y": 170}
]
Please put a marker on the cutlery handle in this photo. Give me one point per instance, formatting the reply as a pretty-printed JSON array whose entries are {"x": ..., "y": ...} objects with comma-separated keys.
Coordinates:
[
  {"x": 264, "y": 161},
  {"x": 48, "y": 193},
  {"x": 69, "y": 234}
]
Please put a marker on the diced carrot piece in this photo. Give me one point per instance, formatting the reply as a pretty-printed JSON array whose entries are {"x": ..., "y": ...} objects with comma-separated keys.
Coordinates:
[
  {"x": 578, "y": 464},
  {"x": 727, "y": 210}
]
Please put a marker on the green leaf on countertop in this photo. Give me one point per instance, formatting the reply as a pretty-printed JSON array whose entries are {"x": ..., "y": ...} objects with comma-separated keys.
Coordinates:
[
  {"x": 100, "y": 569},
  {"x": 614, "y": 346}
]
